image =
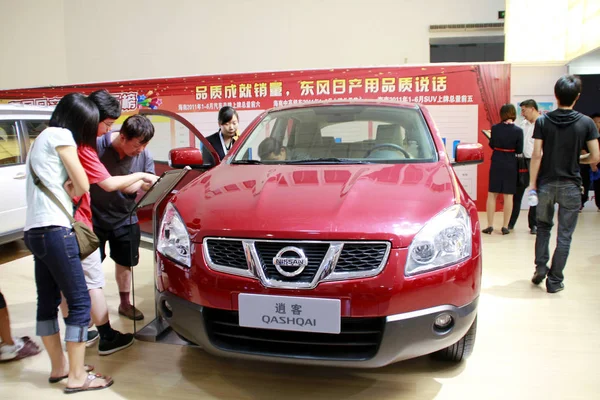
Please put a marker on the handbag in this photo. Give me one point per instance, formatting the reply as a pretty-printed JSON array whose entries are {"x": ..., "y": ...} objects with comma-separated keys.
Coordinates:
[
  {"x": 522, "y": 171},
  {"x": 86, "y": 238}
]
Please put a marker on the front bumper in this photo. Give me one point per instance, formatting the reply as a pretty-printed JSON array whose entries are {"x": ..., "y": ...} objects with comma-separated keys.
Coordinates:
[{"x": 402, "y": 336}]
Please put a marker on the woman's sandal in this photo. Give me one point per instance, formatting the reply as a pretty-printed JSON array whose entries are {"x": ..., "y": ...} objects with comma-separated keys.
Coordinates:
[
  {"x": 505, "y": 231},
  {"x": 86, "y": 385},
  {"x": 88, "y": 368},
  {"x": 488, "y": 230}
]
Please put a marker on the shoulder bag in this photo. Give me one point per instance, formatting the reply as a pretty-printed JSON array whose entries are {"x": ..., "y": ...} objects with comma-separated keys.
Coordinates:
[{"x": 86, "y": 238}]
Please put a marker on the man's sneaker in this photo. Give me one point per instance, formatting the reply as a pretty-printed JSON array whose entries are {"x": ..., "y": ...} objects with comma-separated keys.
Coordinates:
[
  {"x": 92, "y": 338},
  {"x": 554, "y": 288},
  {"x": 120, "y": 341},
  {"x": 131, "y": 312}
]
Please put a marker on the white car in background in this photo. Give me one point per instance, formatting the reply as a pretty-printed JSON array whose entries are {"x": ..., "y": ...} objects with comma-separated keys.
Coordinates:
[{"x": 19, "y": 126}]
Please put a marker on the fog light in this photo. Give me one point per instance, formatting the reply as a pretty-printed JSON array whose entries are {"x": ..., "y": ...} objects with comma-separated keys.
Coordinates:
[{"x": 443, "y": 322}]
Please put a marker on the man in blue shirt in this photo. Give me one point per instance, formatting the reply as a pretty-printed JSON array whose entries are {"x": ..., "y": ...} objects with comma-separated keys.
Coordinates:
[{"x": 122, "y": 153}]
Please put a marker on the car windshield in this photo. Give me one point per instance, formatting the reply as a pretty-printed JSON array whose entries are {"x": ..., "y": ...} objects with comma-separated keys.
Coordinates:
[{"x": 351, "y": 134}]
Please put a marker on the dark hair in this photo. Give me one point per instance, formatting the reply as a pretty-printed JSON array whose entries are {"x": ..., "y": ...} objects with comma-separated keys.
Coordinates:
[
  {"x": 107, "y": 104},
  {"x": 508, "y": 111},
  {"x": 595, "y": 115},
  {"x": 269, "y": 146},
  {"x": 79, "y": 115},
  {"x": 226, "y": 114},
  {"x": 529, "y": 103},
  {"x": 566, "y": 90},
  {"x": 138, "y": 126}
]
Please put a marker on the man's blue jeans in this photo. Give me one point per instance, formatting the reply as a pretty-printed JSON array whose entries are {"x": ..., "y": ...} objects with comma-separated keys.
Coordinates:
[
  {"x": 58, "y": 269},
  {"x": 567, "y": 194}
]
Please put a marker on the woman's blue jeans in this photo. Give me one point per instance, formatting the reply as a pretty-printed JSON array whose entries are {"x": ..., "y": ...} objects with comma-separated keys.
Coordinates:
[{"x": 58, "y": 269}]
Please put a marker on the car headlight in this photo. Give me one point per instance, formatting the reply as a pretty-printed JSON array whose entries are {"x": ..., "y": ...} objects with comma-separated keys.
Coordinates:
[
  {"x": 173, "y": 237},
  {"x": 443, "y": 241}
]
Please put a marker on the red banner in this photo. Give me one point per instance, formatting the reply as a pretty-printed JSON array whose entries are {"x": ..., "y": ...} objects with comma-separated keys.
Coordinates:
[{"x": 464, "y": 99}]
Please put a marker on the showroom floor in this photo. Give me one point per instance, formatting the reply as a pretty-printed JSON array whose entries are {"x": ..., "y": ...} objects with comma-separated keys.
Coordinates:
[{"x": 530, "y": 344}]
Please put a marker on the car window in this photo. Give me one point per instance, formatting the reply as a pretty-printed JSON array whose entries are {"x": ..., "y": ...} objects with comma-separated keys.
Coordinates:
[
  {"x": 170, "y": 133},
  {"x": 33, "y": 128},
  {"x": 10, "y": 148},
  {"x": 350, "y": 133}
]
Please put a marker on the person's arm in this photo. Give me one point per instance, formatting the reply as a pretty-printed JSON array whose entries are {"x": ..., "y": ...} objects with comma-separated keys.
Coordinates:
[
  {"x": 519, "y": 149},
  {"x": 146, "y": 183},
  {"x": 593, "y": 156},
  {"x": 536, "y": 160},
  {"x": 79, "y": 183},
  {"x": 492, "y": 144},
  {"x": 123, "y": 182}
]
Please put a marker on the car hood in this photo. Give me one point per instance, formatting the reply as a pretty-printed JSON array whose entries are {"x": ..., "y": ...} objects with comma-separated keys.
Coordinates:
[{"x": 316, "y": 202}]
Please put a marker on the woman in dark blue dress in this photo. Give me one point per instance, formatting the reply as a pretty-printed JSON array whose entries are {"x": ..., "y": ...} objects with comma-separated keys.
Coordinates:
[{"x": 506, "y": 141}]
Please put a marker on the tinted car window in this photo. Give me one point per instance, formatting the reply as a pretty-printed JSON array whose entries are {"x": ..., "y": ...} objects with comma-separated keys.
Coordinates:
[
  {"x": 10, "y": 149},
  {"x": 374, "y": 134},
  {"x": 33, "y": 128}
]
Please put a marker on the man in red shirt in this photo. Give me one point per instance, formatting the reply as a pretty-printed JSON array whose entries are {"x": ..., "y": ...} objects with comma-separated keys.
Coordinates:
[{"x": 111, "y": 340}]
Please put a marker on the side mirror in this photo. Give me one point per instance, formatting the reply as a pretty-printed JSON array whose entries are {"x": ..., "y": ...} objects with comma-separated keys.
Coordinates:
[
  {"x": 468, "y": 153},
  {"x": 186, "y": 156}
]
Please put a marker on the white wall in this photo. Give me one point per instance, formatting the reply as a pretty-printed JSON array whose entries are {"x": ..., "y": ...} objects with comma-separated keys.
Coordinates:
[
  {"x": 535, "y": 80},
  {"x": 588, "y": 64},
  {"x": 32, "y": 43},
  {"x": 114, "y": 40}
]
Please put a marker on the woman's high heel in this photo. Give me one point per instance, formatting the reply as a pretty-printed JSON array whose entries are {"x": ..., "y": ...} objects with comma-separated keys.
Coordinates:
[
  {"x": 505, "y": 231},
  {"x": 488, "y": 230}
]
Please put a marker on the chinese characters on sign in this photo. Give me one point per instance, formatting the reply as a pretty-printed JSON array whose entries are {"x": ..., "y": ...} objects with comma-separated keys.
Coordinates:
[
  {"x": 431, "y": 99},
  {"x": 295, "y": 320},
  {"x": 241, "y": 91},
  {"x": 296, "y": 309},
  {"x": 356, "y": 86},
  {"x": 128, "y": 101},
  {"x": 217, "y": 106},
  {"x": 44, "y": 102},
  {"x": 256, "y": 95}
]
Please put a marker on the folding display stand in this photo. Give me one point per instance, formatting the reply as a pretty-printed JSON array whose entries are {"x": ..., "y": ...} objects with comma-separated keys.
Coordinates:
[{"x": 157, "y": 328}]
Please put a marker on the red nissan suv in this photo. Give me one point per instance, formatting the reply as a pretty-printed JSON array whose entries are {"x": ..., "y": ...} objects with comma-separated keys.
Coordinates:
[{"x": 333, "y": 233}]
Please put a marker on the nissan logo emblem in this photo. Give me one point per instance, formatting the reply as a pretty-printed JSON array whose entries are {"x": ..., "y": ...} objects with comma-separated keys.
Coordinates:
[{"x": 300, "y": 262}]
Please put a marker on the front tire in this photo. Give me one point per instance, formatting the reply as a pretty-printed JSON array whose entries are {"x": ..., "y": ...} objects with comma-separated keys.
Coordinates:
[{"x": 461, "y": 349}]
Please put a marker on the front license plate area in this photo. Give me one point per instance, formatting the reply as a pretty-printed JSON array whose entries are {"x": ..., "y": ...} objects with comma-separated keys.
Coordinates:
[{"x": 303, "y": 314}]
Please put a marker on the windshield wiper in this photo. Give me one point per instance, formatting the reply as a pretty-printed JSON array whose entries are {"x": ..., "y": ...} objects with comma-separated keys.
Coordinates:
[
  {"x": 327, "y": 160},
  {"x": 246, "y": 162}
]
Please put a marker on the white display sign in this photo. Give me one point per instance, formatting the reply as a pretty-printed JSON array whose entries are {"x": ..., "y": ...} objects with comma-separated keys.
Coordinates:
[{"x": 305, "y": 314}]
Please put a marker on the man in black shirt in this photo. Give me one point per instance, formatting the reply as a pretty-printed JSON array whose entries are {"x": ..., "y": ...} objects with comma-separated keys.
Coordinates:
[{"x": 559, "y": 137}]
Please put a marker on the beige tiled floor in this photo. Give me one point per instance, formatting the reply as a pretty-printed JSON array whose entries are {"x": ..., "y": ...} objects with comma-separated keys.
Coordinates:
[{"x": 530, "y": 345}]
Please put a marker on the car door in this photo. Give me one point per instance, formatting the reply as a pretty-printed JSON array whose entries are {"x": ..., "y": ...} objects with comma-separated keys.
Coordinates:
[
  {"x": 16, "y": 134},
  {"x": 171, "y": 130},
  {"x": 12, "y": 180}
]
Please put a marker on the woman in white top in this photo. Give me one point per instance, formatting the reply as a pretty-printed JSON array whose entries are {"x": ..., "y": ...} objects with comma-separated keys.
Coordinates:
[{"x": 49, "y": 236}]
